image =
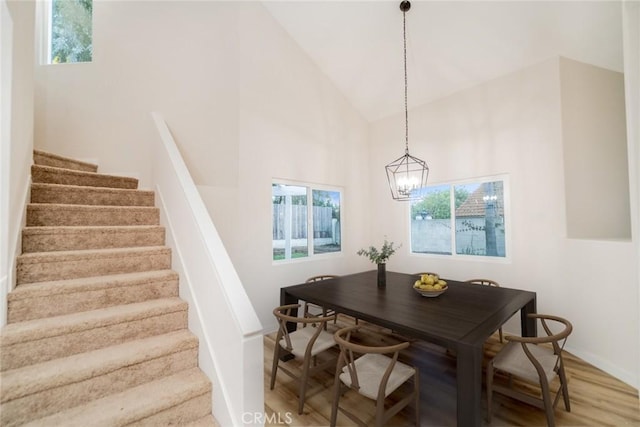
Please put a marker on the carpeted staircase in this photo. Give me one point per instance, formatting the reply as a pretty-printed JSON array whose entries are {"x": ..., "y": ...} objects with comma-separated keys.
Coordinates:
[{"x": 96, "y": 333}]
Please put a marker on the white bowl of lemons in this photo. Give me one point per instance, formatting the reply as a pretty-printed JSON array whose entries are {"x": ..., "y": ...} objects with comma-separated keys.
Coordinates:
[{"x": 430, "y": 285}]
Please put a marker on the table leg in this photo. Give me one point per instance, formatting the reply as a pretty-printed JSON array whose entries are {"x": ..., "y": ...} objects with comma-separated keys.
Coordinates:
[
  {"x": 286, "y": 299},
  {"x": 469, "y": 385},
  {"x": 528, "y": 325}
]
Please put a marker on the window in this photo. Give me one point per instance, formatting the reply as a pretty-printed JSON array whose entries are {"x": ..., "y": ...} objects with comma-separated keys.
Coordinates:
[
  {"x": 293, "y": 219},
  {"x": 70, "y": 35},
  {"x": 462, "y": 219}
]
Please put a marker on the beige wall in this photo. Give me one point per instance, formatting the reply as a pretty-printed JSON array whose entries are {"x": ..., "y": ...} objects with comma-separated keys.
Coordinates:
[
  {"x": 594, "y": 138},
  {"x": 631, "y": 43},
  {"x": 513, "y": 125}
]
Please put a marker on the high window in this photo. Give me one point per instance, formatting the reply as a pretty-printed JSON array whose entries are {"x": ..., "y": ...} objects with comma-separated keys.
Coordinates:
[
  {"x": 466, "y": 218},
  {"x": 306, "y": 221},
  {"x": 70, "y": 35}
]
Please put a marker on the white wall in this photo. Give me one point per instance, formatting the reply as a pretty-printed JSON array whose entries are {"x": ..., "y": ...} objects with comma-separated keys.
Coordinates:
[
  {"x": 245, "y": 105},
  {"x": 17, "y": 130},
  {"x": 176, "y": 58},
  {"x": 6, "y": 48},
  {"x": 512, "y": 125},
  {"x": 293, "y": 125}
]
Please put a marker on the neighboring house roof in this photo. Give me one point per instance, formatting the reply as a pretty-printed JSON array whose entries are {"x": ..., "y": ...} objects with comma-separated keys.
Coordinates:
[{"x": 474, "y": 206}]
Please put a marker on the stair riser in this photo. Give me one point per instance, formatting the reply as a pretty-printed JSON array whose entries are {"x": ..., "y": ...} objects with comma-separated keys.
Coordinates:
[
  {"x": 60, "y": 397},
  {"x": 61, "y": 176},
  {"x": 69, "y": 215},
  {"x": 48, "y": 348},
  {"x": 181, "y": 414},
  {"x": 68, "y": 240},
  {"x": 81, "y": 266},
  {"x": 67, "y": 303},
  {"x": 49, "y": 159},
  {"x": 90, "y": 196}
]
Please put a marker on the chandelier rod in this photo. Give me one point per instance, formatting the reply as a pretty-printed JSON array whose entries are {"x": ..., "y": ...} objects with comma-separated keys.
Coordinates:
[{"x": 405, "y": 6}]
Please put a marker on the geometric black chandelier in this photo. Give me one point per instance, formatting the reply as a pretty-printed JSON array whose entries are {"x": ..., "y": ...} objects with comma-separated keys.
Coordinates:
[{"x": 407, "y": 175}]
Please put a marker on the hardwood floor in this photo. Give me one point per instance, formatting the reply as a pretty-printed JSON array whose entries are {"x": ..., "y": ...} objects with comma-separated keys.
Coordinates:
[{"x": 597, "y": 399}]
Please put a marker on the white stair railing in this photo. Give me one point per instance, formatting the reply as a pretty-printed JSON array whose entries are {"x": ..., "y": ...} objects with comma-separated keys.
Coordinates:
[{"x": 220, "y": 313}]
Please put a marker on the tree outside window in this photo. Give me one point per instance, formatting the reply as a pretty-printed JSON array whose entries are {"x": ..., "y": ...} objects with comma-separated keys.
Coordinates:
[{"x": 71, "y": 31}]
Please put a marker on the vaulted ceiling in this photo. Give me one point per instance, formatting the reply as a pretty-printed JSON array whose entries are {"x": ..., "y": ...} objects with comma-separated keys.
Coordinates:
[{"x": 451, "y": 45}]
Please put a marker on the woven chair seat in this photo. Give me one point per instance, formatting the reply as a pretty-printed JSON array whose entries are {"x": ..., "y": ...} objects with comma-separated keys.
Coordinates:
[
  {"x": 512, "y": 359},
  {"x": 301, "y": 337},
  {"x": 371, "y": 368}
]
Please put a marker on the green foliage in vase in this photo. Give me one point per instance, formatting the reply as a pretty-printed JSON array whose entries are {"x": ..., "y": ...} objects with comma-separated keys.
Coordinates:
[{"x": 379, "y": 256}]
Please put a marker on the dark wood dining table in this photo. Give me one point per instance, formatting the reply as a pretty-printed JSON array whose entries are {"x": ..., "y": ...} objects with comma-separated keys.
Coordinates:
[{"x": 461, "y": 319}]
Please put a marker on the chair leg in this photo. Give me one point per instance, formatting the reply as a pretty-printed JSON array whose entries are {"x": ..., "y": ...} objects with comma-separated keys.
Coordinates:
[
  {"x": 565, "y": 388},
  {"x": 380, "y": 413},
  {"x": 302, "y": 389},
  {"x": 489, "y": 389},
  {"x": 548, "y": 403},
  {"x": 274, "y": 367},
  {"x": 337, "y": 385}
]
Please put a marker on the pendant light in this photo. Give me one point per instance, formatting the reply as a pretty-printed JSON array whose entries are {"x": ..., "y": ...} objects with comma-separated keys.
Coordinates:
[{"x": 407, "y": 175}]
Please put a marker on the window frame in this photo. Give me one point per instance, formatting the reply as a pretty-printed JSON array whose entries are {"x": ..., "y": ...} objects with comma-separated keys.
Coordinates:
[
  {"x": 310, "y": 187},
  {"x": 467, "y": 257}
]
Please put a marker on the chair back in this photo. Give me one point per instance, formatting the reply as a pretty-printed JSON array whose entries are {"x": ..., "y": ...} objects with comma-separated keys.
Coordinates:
[
  {"x": 485, "y": 282},
  {"x": 284, "y": 316},
  {"x": 557, "y": 339},
  {"x": 321, "y": 277}
]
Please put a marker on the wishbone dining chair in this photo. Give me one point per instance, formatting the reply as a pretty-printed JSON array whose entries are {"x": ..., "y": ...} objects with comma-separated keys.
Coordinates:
[
  {"x": 306, "y": 344},
  {"x": 535, "y": 360},
  {"x": 376, "y": 374}
]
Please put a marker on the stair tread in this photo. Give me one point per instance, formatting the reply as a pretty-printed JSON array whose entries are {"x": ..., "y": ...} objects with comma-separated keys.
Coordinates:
[
  {"x": 67, "y": 206},
  {"x": 31, "y": 379},
  {"x": 206, "y": 421},
  {"x": 90, "y": 188},
  {"x": 77, "y": 172},
  {"x": 57, "y": 157},
  {"x": 88, "y": 253},
  {"x": 133, "y": 404},
  {"x": 55, "y": 214},
  {"x": 86, "y": 228},
  {"x": 39, "y": 289},
  {"x": 62, "y": 229},
  {"x": 52, "y": 238},
  {"x": 36, "y": 329}
]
